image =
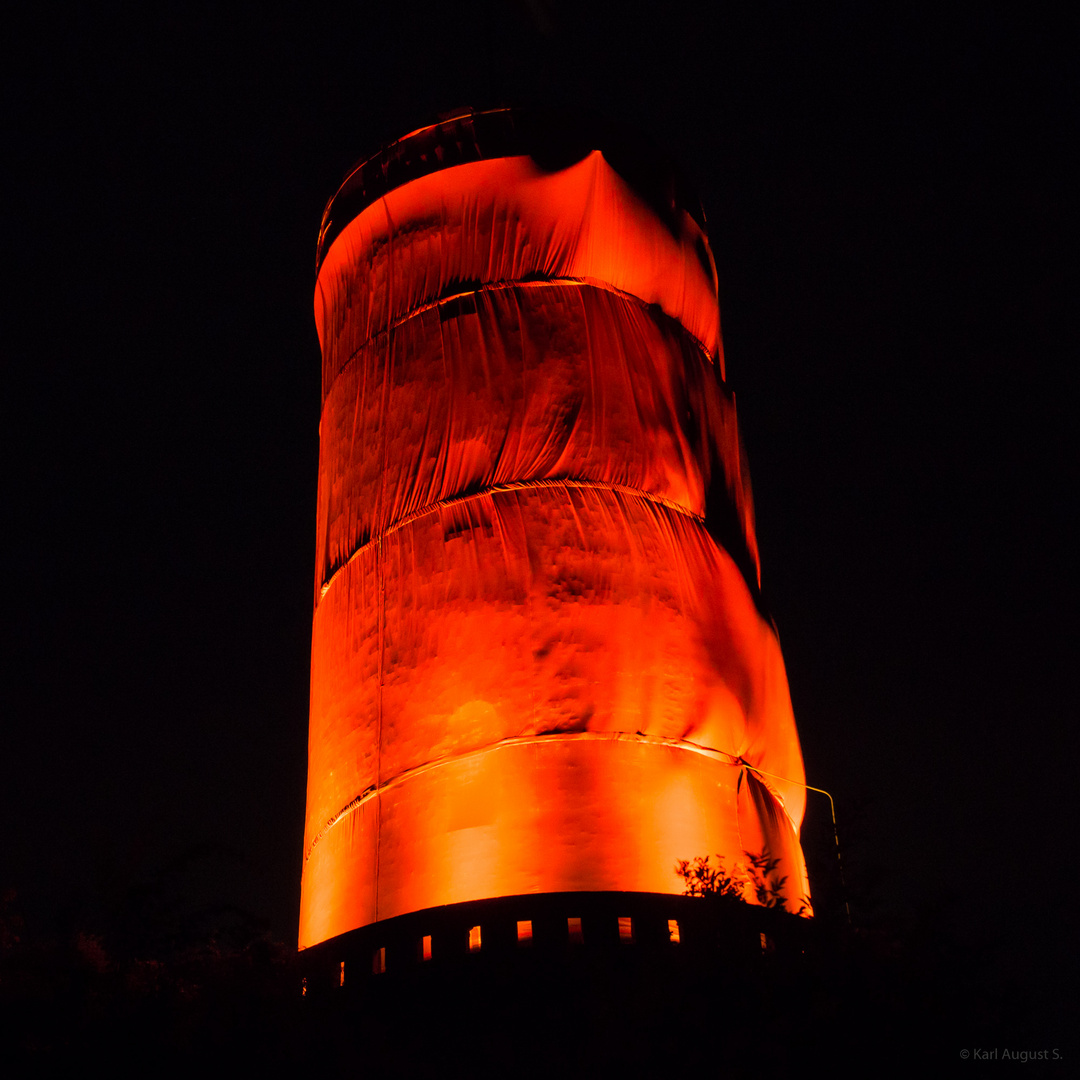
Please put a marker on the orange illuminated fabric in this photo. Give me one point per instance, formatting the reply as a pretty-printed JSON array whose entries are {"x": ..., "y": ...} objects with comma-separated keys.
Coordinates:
[
  {"x": 519, "y": 384},
  {"x": 534, "y": 669},
  {"x": 507, "y": 220}
]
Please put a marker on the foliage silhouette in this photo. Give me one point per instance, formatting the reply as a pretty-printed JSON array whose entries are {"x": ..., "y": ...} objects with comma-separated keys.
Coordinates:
[{"x": 755, "y": 876}]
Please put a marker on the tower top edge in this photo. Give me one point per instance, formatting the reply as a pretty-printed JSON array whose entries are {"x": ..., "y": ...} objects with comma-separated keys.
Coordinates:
[{"x": 555, "y": 138}]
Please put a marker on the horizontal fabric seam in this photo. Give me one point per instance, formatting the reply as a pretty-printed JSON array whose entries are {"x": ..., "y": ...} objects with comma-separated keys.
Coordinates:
[
  {"x": 595, "y": 283},
  {"x": 723, "y": 756},
  {"x": 494, "y": 489}
]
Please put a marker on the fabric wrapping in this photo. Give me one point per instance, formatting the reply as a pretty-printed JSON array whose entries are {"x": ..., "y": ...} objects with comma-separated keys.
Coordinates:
[
  {"x": 534, "y": 668},
  {"x": 507, "y": 220},
  {"x": 522, "y": 384}
]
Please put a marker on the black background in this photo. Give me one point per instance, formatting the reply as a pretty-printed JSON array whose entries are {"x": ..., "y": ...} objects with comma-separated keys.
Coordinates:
[{"x": 886, "y": 193}]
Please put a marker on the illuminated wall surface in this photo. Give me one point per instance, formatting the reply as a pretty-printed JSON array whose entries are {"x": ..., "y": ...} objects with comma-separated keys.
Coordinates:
[{"x": 537, "y": 661}]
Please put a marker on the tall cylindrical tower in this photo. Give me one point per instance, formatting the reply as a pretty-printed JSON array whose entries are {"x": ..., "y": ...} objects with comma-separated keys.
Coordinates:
[{"x": 538, "y": 660}]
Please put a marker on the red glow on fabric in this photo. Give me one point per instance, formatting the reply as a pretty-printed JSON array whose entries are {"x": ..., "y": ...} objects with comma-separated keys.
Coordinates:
[{"x": 533, "y": 668}]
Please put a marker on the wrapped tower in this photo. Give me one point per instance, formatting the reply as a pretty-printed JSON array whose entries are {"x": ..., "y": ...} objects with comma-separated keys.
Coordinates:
[{"x": 539, "y": 663}]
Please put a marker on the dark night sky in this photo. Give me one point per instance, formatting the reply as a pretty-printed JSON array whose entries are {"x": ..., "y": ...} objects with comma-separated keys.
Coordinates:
[{"x": 886, "y": 195}]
